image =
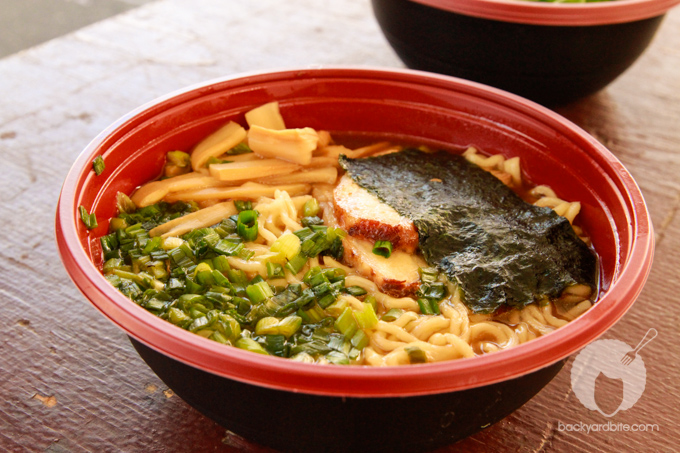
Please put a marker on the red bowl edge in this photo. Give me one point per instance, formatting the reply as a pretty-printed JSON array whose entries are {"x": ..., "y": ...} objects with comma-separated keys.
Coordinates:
[{"x": 560, "y": 14}]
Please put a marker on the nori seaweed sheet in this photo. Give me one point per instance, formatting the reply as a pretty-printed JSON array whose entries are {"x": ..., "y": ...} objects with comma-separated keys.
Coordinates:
[{"x": 500, "y": 249}]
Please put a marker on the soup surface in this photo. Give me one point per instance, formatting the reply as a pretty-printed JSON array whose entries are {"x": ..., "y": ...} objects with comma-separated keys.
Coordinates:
[{"x": 282, "y": 242}]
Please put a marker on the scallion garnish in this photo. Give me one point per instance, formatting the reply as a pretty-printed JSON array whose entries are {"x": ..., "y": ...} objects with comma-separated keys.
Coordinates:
[
  {"x": 366, "y": 317},
  {"x": 250, "y": 345},
  {"x": 392, "y": 314},
  {"x": 296, "y": 263},
  {"x": 275, "y": 326},
  {"x": 179, "y": 158},
  {"x": 382, "y": 248},
  {"x": 90, "y": 220},
  {"x": 287, "y": 244},
  {"x": 428, "y": 306},
  {"x": 415, "y": 354},
  {"x": 310, "y": 208},
  {"x": 428, "y": 274},
  {"x": 124, "y": 204},
  {"x": 247, "y": 226},
  {"x": 275, "y": 270},
  {"x": 188, "y": 281},
  {"x": 214, "y": 160},
  {"x": 243, "y": 205},
  {"x": 346, "y": 323},
  {"x": 241, "y": 148},
  {"x": 258, "y": 292},
  {"x": 98, "y": 165},
  {"x": 355, "y": 291}
]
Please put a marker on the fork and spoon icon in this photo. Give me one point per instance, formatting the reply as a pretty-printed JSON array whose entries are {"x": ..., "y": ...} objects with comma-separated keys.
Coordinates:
[{"x": 631, "y": 355}]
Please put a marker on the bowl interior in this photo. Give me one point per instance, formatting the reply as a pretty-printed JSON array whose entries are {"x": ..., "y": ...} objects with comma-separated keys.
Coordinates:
[{"x": 400, "y": 105}]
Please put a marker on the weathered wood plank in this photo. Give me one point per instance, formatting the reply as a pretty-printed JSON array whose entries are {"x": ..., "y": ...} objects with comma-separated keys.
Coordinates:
[{"x": 70, "y": 379}]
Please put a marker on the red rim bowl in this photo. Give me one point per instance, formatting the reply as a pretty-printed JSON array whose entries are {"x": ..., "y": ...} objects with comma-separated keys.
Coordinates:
[
  {"x": 550, "y": 13},
  {"x": 401, "y": 104}
]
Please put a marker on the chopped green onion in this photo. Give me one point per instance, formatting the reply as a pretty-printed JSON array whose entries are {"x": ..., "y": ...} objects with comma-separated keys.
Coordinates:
[
  {"x": 316, "y": 243},
  {"x": 336, "y": 308},
  {"x": 339, "y": 343},
  {"x": 221, "y": 263},
  {"x": 303, "y": 357},
  {"x": 309, "y": 221},
  {"x": 337, "y": 358},
  {"x": 243, "y": 205},
  {"x": 246, "y": 254},
  {"x": 354, "y": 353},
  {"x": 371, "y": 300},
  {"x": 226, "y": 227},
  {"x": 275, "y": 270},
  {"x": 98, "y": 165},
  {"x": 275, "y": 326},
  {"x": 306, "y": 299},
  {"x": 259, "y": 292},
  {"x": 434, "y": 305},
  {"x": 90, "y": 220},
  {"x": 425, "y": 306},
  {"x": 296, "y": 264},
  {"x": 218, "y": 337},
  {"x": 110, "y": 246},
  {"x": 415, "y": 354},
  {"x": 366, "y": 317},
  {"x": 177, "y": 316},
  {"x": 198, "y": 324},
  {"x": 247, "y": 226},
  {"x": 228, "y": 247},
  {"x": 310, "y": 208},
  {"x": 355, "y": 291},
  {"x": 241, "y": 148},
  {"x": 287, "y": 244},
  {"x": 392, "y": 315},
  {"x": 327, "y": 300},
  {"x": 125, "y": 204},
  {"x": 153, "y": 245},
  {"x": 250, "y": 345},
  {"x": 117, "y": 224},
  {"x": 359, "y": 340},
  {"x": 382, "y": 248},
  {"x": 228, "y": 326},
  {"x": 428, "y": 274},
  {"x": 113, "y": 263},
  {"x": 214, "y": 160},
  {"x": 346, "y": 323},
  {"x": 219, "y": 279},
  {"x": 315, "y": 314},
  {"x": 303, "y": 233},
  {"x": 433, "y": 290},
  {"x": 275, "y": 344},
  {"x": 237, "y": 276},
  {"x": 179, "y": 158}
]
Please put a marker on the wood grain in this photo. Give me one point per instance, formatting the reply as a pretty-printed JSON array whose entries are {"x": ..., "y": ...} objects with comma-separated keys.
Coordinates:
[{"x": 70, "y": 380}]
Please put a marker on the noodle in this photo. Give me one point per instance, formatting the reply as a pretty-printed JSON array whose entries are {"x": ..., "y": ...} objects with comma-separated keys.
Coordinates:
[{"x": 454, "y": 332}]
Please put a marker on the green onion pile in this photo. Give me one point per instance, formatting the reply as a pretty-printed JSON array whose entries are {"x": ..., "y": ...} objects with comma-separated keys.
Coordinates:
[{"x": 188, "y": 281}]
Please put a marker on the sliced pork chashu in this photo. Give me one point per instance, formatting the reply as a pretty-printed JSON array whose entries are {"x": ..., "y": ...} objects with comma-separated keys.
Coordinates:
[
  {"x": 397, "y": 275},
  {"x": 364, "y": 216}
]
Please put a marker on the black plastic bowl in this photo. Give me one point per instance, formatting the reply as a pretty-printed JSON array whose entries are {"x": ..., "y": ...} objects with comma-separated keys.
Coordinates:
[
  {"x": 552, "y": 53},
  {"x": 301, "y": 422}
]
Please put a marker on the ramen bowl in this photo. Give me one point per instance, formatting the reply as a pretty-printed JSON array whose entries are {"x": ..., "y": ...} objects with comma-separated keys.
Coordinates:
[
  {"x": 552, "y": 53},
  {"x": 298, "y": 406}
]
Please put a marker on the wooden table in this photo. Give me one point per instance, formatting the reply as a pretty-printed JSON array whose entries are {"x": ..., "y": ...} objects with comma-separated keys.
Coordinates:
[{"x": 71, "y": 381}]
